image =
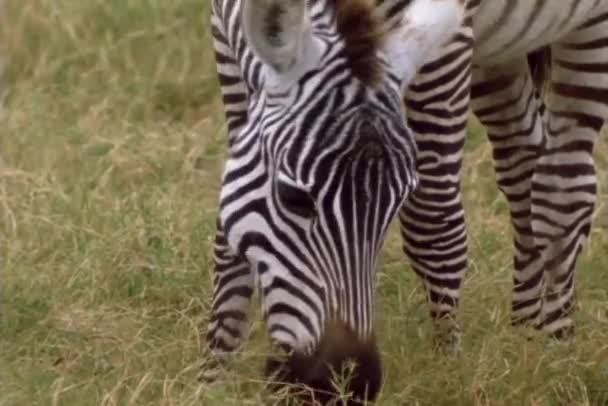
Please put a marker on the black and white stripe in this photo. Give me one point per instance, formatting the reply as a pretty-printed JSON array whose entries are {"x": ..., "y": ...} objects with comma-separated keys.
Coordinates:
[
  {"x": 320, "y": 162},
  {"x": 544, "y": 160},
  {"x": 542, "y": 148}
]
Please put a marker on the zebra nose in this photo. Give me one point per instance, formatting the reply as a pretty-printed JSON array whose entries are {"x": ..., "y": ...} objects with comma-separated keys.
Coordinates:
[{"x": 340, "y": 353}]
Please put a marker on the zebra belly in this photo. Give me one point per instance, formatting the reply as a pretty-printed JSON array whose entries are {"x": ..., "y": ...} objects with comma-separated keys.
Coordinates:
[{"x": 506, "y": 30}]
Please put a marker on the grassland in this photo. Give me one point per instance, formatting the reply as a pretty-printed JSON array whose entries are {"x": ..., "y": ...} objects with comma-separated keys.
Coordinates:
[{"x": 112, "y": 143}]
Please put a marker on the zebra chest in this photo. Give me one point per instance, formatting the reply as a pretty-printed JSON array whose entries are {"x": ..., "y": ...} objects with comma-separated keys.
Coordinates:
[{"x": 509, "y": 29}]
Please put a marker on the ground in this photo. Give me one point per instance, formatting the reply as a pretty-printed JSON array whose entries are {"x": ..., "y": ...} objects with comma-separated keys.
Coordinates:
[{"x": 112, "y": 153}]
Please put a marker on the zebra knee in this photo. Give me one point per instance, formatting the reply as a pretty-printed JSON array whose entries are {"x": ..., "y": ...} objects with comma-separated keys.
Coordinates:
[
  {"x": 514, "y": 165},
  {"x": 342, "y": 367}
]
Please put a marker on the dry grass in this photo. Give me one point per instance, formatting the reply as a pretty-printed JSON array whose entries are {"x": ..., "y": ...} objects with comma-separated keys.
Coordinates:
[{"x": 112, "y": 152}]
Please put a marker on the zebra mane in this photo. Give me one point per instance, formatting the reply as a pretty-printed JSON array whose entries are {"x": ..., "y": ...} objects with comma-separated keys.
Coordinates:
[{"x": 362, "y": 30}]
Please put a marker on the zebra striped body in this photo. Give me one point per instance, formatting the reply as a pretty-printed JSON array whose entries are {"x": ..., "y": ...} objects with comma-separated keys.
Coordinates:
[
  {"x": 506, "y": 30},
  {"x": 544, "y": 160},
  {"x": 310, "y": 279},
  {"x": 543, "y": 157}
]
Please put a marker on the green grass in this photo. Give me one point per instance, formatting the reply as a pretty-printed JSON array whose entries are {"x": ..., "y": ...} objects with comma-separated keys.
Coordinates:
[{"x": 112, "y": 153}]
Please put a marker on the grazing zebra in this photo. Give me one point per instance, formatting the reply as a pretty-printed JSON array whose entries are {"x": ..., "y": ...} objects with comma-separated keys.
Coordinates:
[
  {"x": 542, "y": 148},
  {"x": 543, "y": 153},
  {"x": 507, "y": 53},
  {"x": 320, "y": 162},
  {"x": 308, "y": 194}
]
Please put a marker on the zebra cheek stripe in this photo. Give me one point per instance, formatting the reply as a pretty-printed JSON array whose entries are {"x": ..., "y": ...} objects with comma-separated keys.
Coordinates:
[{"x": 341, "y": 352}]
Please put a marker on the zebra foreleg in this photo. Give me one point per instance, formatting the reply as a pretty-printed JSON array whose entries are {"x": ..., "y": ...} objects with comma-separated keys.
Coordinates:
[
  {"x": 564, "y": 185},
  {"x": 504, "y": 100},
  {"x": 233, "y": 288},
  {"x": 432, "y": 220},
  {"x": 233, "y": 279}
]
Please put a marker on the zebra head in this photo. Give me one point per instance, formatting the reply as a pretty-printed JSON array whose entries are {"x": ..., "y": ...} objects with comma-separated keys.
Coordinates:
[{"x": 316, "y": 176}]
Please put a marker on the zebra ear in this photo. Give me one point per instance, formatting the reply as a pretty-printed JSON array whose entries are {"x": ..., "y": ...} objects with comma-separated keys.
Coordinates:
[
  {"x": 425, "y": 27},
  {"x": 278, "y": 31}
]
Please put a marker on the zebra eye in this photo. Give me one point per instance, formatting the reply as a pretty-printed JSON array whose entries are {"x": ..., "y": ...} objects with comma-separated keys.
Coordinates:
[{"x": 295, "y": 199}]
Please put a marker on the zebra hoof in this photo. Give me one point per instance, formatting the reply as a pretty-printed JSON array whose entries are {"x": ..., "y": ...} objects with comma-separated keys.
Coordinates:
[
  {"x": 558, "y": 325},
  {"x": 210, "y": 370},
  {"x": 448, "y": 342},
  {"x": 564, "y": 334}
]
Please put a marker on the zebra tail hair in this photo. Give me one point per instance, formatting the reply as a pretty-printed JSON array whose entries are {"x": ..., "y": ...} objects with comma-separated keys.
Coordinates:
[{"x": 539, "y": 62}]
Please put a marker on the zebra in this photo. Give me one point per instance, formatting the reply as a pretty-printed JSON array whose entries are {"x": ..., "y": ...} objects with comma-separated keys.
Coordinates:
[
  {"x": 535, "y": 73},
  {"x": 543, "y": 148},
  {"x": 319, "y": 163},
  {"x": 450, "y": 56}
]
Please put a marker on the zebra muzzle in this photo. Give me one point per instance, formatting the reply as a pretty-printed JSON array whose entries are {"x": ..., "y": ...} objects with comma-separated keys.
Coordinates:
[{"x": 343, "y": 369}]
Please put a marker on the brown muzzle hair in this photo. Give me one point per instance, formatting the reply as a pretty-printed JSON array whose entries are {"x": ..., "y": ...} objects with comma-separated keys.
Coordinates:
[{"x": 340, "y": 353}]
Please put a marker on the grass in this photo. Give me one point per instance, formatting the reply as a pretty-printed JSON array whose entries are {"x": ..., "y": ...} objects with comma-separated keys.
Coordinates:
[{"x": 112, "y": 153}]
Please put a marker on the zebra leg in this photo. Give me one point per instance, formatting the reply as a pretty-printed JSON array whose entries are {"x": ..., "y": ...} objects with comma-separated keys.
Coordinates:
[
  {"x": 233, "y": 281},
  {"x": 432, "y": 220},
  {"x": 564, "y": 183},
  {"x": 232, "y": 86},
  {"x": 505, "y": 101},
  {"x": 233, "y": 288}
]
